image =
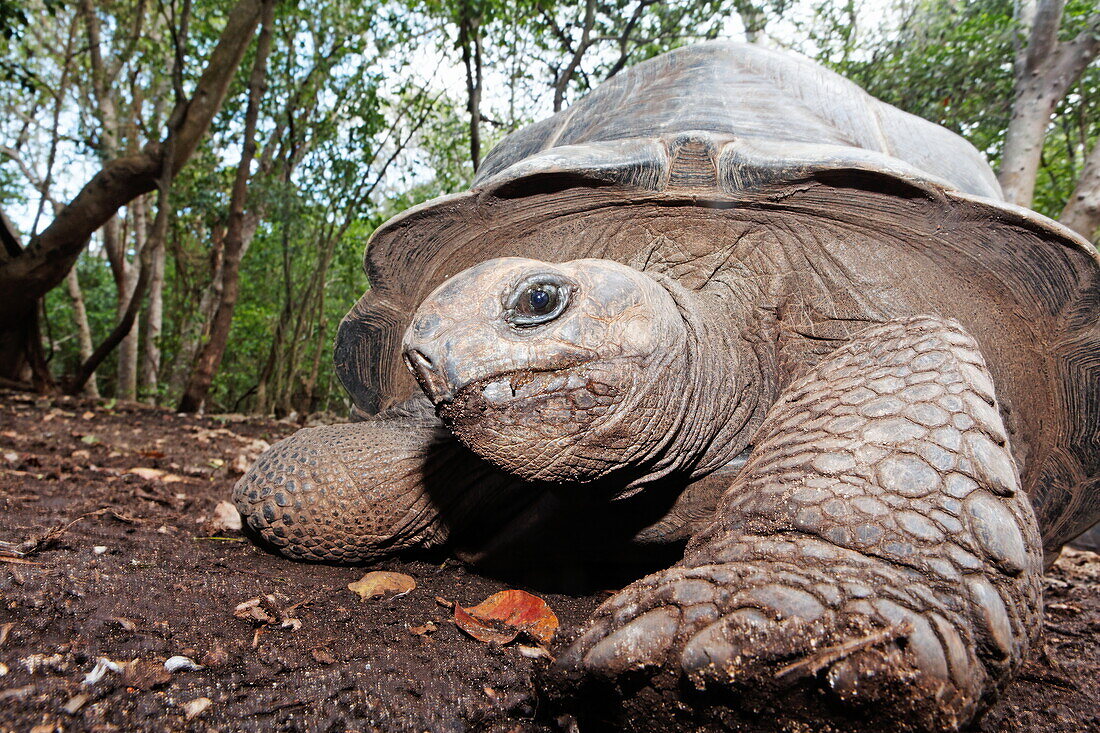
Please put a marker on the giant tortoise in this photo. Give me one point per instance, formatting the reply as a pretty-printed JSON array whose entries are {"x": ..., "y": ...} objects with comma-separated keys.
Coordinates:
[{"x": 727, "y": 298}]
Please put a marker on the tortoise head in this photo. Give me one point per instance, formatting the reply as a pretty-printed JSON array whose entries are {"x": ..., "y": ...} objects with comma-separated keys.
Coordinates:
[{"x": 555, "y": 372}]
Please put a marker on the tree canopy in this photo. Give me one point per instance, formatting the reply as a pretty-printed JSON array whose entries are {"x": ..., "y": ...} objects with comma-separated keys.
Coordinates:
[{"x": 188, "y": 185}]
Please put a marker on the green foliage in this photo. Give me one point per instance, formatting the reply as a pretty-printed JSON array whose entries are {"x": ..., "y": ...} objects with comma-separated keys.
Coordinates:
[
  {"x": 365, "y": 114},
  {"x": 952, "y": 63}
]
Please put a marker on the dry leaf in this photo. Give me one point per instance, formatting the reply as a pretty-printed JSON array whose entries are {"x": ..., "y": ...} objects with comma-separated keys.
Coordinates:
[
  {"x": 428, "y": 628},
  {"x": 254, "y": 610},
  {"x": 322, "y": 655},
  {"x": 482, "y": 631},
  {"x": 534, "y": 652},
  {"x": 382, "y": 583},
  {"x": 503, "y": 616},
  {"x": 125, "y": 623},
  {"x": 155, "y": 474},
  {"x": 266, "y": 610},
  {"x": 226, "y": 518},
  {"x": 196, "y": 707}
]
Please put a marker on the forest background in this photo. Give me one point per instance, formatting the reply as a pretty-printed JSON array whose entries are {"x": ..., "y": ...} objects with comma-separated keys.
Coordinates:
[{"x": 187, "y": 186}]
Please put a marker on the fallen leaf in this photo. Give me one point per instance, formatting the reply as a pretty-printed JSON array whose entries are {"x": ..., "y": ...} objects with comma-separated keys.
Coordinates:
[
  {"x": 265, "y": 610},
  {"x": 145, "y": 674},
  {"x": 125, "y": 623},
  {"x": 196, "y": 707},
  {"x": 155, "y": 474},
  {"x": 89, "y": 439},
  {"x": 226, "y": 519},
  {"x": 382, "y": 583},
  {"x": 534, "y": 652},
  {"x": 503, "y": 616},
  {"x": 322, "y": 655},
  {"x": 72, "y": 707},
  {"x": 88, "y": 415},
  {"x": 428, "y": 628},
  {"x": 254, "y": 610}
]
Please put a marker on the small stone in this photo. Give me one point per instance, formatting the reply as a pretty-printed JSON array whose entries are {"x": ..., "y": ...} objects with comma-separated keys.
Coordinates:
[
  {"x": 99, "y": 549},
  {"x": 181, "y": 664}
]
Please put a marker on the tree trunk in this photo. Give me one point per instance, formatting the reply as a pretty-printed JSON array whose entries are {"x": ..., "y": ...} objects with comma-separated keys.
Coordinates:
[
  {"x": 562, "y": 82},
  {"x": 154, "y": 312},
  {"x": 26, "y": 276},
  {"x": 126, "y": 386},
  {"x": 83, "y": 332},
  {"x": 238, "y": 234},
  {"x": 1082, "y": 212},
  {"x": 469, "y": 34},
  {"x": 1045, "y": 70}
]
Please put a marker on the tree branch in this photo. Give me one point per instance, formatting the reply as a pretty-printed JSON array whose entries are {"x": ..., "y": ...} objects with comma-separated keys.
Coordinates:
[
  {"x": 582, "y": 46},
  {"x": 50, "y": 255}
]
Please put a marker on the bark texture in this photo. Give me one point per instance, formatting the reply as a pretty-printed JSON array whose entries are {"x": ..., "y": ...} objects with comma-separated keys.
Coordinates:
[
  {"x": 28, "y": 274},
  {"x": 242, "y": 226},
  {"x": 1045, "y": 70},
  {"x": 1082, "y": 212},
  {"x": 84, "y": 333}
]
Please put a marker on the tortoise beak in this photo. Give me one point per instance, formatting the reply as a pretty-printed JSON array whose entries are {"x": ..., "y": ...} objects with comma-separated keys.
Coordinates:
[{"x": 427, "y": 373}]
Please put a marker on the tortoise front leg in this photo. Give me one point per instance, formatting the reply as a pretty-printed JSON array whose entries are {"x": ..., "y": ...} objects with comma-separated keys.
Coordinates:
[
  {"x": 361, "y": 491},
  {"x": 875, "y": 565}
]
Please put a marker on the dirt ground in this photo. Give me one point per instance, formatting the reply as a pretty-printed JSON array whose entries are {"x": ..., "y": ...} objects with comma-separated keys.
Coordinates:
[{"x": 107, "y": 572}]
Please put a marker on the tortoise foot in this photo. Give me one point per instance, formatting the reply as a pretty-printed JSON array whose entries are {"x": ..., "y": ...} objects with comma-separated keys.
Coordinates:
[
  {"x": 795, "y": 630},
  {"x": 875, "y": 566}
]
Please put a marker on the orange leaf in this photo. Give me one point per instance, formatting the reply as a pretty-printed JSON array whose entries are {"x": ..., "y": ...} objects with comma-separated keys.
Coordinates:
[
  {"x": 503, "y": 616},
  {"x": 382, "y": 583}
]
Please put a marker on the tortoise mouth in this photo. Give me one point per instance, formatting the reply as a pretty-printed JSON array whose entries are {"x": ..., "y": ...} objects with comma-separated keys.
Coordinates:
[
  {"x": 547, "y": 396},
  {"x": 526, "y": 384}
]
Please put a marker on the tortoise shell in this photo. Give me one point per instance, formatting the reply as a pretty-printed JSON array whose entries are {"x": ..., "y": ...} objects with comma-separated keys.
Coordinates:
[{"x": 724, "y": 162}]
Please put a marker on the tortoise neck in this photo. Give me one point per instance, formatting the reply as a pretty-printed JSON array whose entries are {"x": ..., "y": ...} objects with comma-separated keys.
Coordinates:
[{"x": 725, "y": 387}]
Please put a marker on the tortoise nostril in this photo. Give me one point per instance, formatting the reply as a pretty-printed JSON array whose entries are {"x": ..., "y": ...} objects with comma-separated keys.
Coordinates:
[
  {"x": 418, "y": 360},
  {"x": 422, "y": 367}
]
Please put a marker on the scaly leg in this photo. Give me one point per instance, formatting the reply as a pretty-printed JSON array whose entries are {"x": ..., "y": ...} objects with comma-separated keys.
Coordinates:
[
  {"x": 361, "y": 491},
  {"x": 874, "y": 567}
]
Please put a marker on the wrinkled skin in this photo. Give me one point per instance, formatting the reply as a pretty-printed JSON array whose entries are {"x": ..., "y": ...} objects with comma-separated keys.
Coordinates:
[
  {"x": 873, "y": 566},
  {"x": 603, "y": 388}
]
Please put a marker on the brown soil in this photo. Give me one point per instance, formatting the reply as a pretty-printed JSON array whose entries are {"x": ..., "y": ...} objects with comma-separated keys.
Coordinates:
[{"x": 102, "y": 563}]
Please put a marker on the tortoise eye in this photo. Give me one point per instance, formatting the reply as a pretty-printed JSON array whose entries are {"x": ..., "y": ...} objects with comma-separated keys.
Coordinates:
[{"x": 537, "y": 300}]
